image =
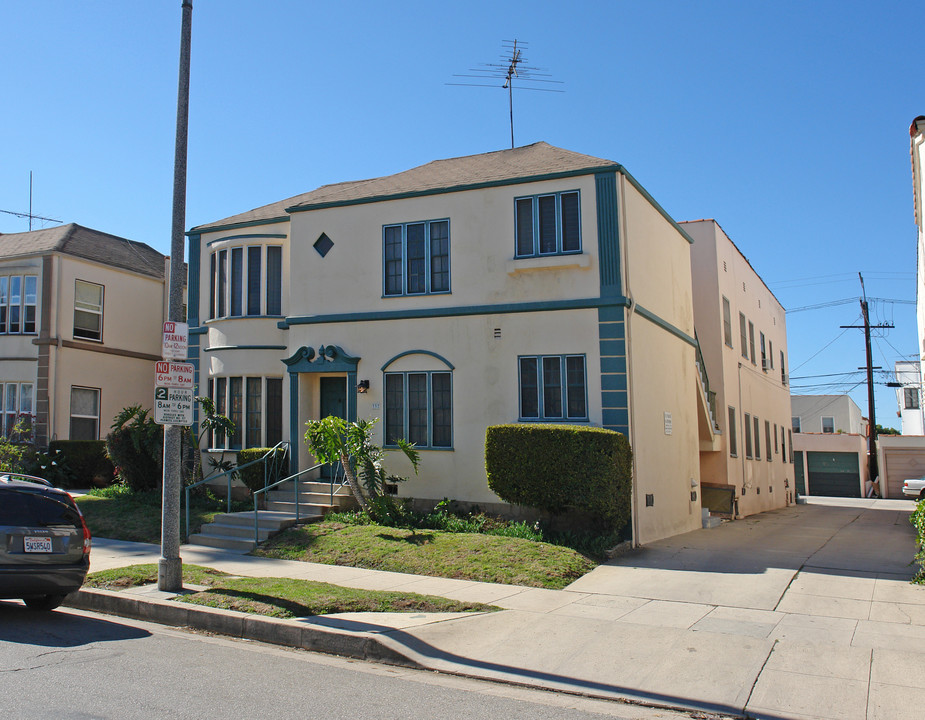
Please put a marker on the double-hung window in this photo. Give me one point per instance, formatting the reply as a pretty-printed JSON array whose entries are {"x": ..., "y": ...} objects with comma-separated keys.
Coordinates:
[
  {"x": 419, "y": 408},
  {"x": 733, "y": 441},
  {"x": 416, "y": 258},
  {"x": 16, "y": 404},
  {"x": 748, "y": 435},
  {"x": 547, "y": 224},
  {"x": 85, "y": 413},
  {"x": 727, "y": 322},
  {"x": 743, "y": 335},
  {"x": 88, "y": 311},
  {"x": 553, "y": 387},
  {"x": 911, "y": 398},
  {"x": 18, "y": 299}
]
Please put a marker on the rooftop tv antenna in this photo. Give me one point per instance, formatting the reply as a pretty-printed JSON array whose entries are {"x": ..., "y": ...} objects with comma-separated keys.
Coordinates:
[
  {"x": 514, "y": 66},
  {"x": 29, "y": 214}
]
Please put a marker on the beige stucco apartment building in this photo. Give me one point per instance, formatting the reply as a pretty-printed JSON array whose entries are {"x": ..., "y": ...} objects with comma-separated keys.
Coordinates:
[
  {"x": 830, "y": 444},
  {"x": 527, "y": 285},
  {"x": 743, "y": 338},
  {"x": 80, "y": 326},
  {"x": 917, "y": 153}
]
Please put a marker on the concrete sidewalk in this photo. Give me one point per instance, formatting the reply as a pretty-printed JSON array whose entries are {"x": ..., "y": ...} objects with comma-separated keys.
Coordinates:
[{"x": 805, "y": 612}]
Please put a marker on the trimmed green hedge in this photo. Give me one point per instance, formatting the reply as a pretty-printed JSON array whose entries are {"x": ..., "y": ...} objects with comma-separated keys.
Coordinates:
[
  {"x": 918, "y": 522},
  {"x": 252, "y": 476},
  {"x": 87, "y": 460},
  {"x": 561, "y": 468}
]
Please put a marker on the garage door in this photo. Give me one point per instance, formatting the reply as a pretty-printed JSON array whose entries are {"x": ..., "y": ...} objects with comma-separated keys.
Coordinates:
[
  {"x": 899, "y": 465},
  {"x": 833, "y": 474},
  {"x": 798, "y": 472}
]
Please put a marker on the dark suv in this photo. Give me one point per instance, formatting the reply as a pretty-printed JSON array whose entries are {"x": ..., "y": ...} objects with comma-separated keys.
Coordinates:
[{"x": 44, "y": 542}]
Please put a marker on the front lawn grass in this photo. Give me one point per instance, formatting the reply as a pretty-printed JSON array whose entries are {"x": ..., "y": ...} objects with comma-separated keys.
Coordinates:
[
  {"x": 120, "y": 514},
  {"x": 465, "y": 556},
  {"x": 279, "y": 597}
]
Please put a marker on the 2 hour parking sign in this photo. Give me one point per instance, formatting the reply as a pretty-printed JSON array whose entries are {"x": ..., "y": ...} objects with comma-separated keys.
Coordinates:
[{"x": 173, "y": 406}]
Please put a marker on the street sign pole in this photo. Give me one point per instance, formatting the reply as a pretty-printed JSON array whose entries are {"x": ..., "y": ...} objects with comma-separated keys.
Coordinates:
[{"x": 170, "y": 565}]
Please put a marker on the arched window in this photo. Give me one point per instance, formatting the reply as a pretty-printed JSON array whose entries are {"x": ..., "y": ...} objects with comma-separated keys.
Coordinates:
[{"x": 418, "y": 399}]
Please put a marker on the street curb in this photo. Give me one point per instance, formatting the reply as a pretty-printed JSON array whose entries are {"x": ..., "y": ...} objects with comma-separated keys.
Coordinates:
[{"x": 276, "y": 631}]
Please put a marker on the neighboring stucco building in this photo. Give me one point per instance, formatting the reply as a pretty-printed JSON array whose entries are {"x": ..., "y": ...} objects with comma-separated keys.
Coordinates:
[
  {"x": 828, "y": 414},
  {"x": 742, "y": 331},
  {"x": 909, "y": 397},
  {"x": 533, "y": 284},
  {"x": 917, "y": 151},
  {"x": 829, "y": 445},
  {"x": 80, "y": 325}
]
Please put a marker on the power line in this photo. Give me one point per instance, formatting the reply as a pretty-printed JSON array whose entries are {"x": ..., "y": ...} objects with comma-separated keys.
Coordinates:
[{"x": 835, "y": 339}]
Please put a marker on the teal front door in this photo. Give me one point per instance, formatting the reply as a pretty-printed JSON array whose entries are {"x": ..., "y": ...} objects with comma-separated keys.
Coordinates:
[{"x": 333, "y": 402}]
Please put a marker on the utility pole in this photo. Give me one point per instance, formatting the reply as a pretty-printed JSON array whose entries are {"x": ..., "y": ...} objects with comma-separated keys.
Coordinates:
[
  {"x": 872, "y": 466},
  {"x": 170, "y": 565}
]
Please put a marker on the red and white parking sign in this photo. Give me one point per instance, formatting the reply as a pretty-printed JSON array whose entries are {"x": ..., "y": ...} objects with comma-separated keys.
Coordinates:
[{"x": 175, "y": 341}]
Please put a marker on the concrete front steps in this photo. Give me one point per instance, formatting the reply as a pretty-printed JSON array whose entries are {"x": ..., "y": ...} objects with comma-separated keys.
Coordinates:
[
  {"x": 314, "y": 498},
  {"x": 235, "y": 531}
]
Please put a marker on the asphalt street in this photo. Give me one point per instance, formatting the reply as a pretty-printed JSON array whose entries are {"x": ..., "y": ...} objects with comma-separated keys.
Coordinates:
[{"x": 74, "y": 664}]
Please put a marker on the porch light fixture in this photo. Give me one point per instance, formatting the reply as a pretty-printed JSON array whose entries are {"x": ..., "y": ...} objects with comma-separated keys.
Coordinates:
[{"x": 363, "y": 386}]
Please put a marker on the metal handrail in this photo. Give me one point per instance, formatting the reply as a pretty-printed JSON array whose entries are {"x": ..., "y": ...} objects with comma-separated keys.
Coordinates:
[
  {"x": 295, "y": 492},
  {"x": 229, "y": 474}
]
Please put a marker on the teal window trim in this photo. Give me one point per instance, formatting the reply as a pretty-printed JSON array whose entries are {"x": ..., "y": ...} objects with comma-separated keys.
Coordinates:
[
  {"x": 399, "y": 241},
  {"x": 244, "y": 283},
  {"x": 418, "y": 352},
  {"x": 400, "y": 398},
  {"x": 532, "y": 216},
  {"x": 547, "y": 373},
  {"x": 243, "y": 398}
]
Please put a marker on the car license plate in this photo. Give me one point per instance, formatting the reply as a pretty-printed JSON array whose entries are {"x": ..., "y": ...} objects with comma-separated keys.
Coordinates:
[{"x": 37, "y": 544}]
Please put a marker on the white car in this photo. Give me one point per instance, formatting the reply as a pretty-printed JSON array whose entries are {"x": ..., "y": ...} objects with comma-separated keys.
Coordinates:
[{"x": 914, "y": 487}]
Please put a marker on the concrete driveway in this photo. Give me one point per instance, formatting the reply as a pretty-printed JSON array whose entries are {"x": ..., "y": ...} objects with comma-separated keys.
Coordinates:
[
  {"x": 805, "y": 612},
  {"x": 829, "y": 548}
]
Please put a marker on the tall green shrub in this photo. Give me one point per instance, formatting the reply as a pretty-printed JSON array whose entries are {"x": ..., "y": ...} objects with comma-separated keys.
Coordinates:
[
  {"x": 253, "y": 476},
  {"x": 918, "y": 522},
  {"x": 561, "y": 468},
  {"x": 86, "y": 460},
  {"x": 136, "y": 448}
]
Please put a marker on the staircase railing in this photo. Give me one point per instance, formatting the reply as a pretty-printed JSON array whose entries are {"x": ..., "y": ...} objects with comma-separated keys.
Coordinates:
[
  {"x": 336, "y": 472},
  {"x": 277, "y": 460},
  {"x": 705, "y": 382}
]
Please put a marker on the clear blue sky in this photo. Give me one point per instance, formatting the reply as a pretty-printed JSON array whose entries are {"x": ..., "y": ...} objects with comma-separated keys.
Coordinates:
[{"x": 787, "y": 122}]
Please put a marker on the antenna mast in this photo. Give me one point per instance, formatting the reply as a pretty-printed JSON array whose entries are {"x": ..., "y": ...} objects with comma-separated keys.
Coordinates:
[
  {"x": 514, "y": 66},
  {"x": 29, "y": 214}
]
